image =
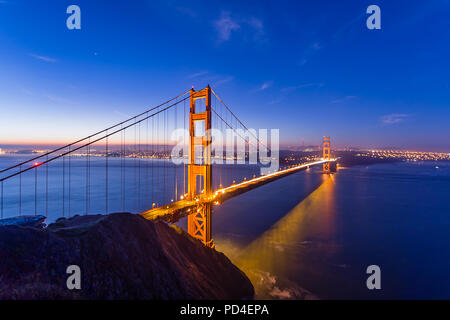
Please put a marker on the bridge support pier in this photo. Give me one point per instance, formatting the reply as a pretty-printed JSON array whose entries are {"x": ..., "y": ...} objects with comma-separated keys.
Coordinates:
[
  {"x": 199, "y": 172},
  {"x": 326, "y": 154}
]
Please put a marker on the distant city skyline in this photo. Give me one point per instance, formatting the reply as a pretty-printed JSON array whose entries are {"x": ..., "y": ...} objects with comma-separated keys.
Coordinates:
[
  {"x": 40, "y": 148},
  {"x": 305, "y": 68}
]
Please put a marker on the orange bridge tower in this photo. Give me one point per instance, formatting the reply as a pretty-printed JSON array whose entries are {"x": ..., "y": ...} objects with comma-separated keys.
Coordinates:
[
  {"x": 199, "y": 166},
  {"x": 326, "y": 154}
]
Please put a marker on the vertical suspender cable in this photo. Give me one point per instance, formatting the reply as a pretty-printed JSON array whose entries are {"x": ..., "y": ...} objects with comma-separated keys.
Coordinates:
[
  {"x": 164, "y": 156},
  {"x": 35, "y": 191},
  {"x": 46, "y": 189},
  {"x": 64, "y": 185},
  {"x": 20, "y": 192},
  {"x": 153, "y": 160},
  {"x": 184, "y": 149},
  {"x": 146, "y": 166},
  {"x": 87, "y": 148},
  {"x": 106, "y": 174},
  {"x": 139, "y": 168},
  {"x": 2, "y": 199},
  {"x": 88, "y": 190},
  {"x": 175, "y": 166},
  {"x": 70, "y": 167},
  {"x": 121, "y": 168},
  {"x": 124, "y": 168},
  {"x": 134, "y": 169},
  {"x": 157, "y": 150}
]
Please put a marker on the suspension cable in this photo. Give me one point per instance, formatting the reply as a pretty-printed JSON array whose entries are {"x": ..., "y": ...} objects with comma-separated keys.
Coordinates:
[
  {"x": 89, "y": 143},
  {"x": 238, "y": 119},
  {"x": 92, "y": 135}
]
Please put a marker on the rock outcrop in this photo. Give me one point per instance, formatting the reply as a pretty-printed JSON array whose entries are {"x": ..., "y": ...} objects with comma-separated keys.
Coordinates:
[
  {"x": 121, "y": 256},
  {"x": 24, "y": 221}
]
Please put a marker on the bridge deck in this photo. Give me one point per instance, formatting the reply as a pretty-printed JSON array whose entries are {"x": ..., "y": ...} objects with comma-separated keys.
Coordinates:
[{"x": 176, "y": 210}]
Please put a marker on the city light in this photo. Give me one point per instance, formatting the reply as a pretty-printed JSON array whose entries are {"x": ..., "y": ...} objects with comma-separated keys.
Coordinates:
[{"x": 405, "y": 155}]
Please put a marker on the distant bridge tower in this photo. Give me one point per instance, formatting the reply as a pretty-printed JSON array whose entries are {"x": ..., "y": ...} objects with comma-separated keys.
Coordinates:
[
  {"x": 199, "y": 174},
  {"x": 326, "y": 154}
]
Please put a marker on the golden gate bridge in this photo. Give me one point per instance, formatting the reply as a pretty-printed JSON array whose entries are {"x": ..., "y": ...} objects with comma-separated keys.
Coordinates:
[{"x": 132, "y": 157}]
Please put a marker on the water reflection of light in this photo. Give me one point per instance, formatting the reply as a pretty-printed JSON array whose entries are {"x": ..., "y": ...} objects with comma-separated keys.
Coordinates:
[{"x": 274, "y": 262}]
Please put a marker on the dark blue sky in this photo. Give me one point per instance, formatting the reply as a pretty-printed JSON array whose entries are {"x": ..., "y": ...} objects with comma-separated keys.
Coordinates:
[{"x": 309, "y": 68}]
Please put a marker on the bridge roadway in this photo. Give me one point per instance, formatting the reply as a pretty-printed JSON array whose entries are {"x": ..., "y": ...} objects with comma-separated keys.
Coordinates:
[{"x": 176, "y": 210}]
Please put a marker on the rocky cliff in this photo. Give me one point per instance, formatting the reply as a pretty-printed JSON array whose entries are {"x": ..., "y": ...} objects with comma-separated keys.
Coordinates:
[{"x": 121, "y": 256}]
